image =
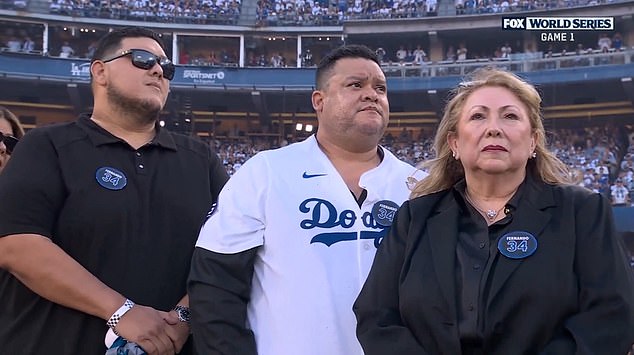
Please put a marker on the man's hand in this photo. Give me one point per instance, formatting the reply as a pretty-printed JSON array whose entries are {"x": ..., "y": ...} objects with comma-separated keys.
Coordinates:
[
  {"x": 177, "y": 331},
  {"x": 146, "y": 327}
]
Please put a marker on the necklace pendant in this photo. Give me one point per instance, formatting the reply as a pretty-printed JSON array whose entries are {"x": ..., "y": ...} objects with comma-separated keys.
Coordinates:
[{"x": 491, "y": 214}]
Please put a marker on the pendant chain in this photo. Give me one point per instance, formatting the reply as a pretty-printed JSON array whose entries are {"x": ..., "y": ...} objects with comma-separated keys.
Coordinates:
[{"x": 490, "y": 214}]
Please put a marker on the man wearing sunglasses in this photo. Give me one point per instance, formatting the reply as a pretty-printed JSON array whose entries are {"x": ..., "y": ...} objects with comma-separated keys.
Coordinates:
[{"x": 100, "y": 216}]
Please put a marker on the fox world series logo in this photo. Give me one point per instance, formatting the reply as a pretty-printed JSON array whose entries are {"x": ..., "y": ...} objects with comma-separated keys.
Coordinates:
[{"x": 558, "y": 29}]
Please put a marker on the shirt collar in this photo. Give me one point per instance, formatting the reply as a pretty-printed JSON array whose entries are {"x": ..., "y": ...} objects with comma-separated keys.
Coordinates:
[
  {"x": 100, "y": 136},
  {"x": 460, "y": 187}
]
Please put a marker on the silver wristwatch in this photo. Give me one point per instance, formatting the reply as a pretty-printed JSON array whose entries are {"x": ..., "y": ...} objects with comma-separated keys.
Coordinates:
[{"x": 184, "y": 314}]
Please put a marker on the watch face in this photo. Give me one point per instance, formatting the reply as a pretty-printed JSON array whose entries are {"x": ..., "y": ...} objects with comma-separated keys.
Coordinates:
[{"x": 184, "y": 315}]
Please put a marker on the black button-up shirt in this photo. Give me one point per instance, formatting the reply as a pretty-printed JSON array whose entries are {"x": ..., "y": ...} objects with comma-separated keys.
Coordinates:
[{"x": 476, "y": 256}]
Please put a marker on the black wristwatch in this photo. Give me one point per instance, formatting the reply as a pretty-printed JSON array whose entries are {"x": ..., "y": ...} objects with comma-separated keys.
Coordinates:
[{"x": 184, "y": 314}]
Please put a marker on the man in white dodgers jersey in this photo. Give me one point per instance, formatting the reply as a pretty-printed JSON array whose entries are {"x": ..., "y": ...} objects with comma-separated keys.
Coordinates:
[{"x": 287, "y": 249}]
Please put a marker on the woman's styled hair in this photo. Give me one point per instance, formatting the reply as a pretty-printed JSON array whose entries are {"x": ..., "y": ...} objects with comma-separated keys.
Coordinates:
[{"x": 445, "y": 171}]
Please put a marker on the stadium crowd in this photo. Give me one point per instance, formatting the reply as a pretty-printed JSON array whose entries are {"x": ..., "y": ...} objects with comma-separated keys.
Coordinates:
[
  {"x": 334, "y": 12},
  {"x": 224, "y": 12},
  {"x": 286, "y": 12},
  {"x": 601, "y": 157},
  {"x": 471, "y": 7}
]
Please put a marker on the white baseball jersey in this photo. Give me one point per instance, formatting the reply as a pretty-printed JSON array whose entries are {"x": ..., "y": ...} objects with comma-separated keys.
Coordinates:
[
  {"x": 317, "y": 244},
  {"x": 619, "y": 194}
]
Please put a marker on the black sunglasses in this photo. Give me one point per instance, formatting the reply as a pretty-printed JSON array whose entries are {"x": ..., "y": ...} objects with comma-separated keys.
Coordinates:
[
  {"x": 143, "y": 59},
  {"x": 9, "y": 142}
]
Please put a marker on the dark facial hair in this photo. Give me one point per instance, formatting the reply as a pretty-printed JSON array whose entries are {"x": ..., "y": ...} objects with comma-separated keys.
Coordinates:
[{"x": 144, "y": 111}]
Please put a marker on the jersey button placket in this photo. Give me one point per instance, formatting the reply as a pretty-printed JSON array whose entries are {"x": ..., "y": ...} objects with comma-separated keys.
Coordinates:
[{"x": 140, "y": 164}]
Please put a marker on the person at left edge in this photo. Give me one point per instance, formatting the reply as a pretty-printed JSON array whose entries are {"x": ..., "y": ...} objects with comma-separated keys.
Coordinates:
[
  {"x": 11, "y": 130},
  {"x": 104, "y": 209}
]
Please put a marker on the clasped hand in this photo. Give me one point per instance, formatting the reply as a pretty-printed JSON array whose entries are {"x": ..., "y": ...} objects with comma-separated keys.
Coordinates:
[{"x": 157, "y": 332}]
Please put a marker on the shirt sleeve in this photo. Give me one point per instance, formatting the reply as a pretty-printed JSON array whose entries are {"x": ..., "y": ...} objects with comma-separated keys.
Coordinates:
[
  {"x": 219, "y": 289},
  {"x": 237, "y": 222},
  {"x": 604, "y": 323},
  {"x": 31, "y": 187},
  {"x": 219, "y": 285}
]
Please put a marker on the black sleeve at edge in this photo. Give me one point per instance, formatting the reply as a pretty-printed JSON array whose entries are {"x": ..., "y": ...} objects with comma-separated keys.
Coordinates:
[{"x": 219, "y": 289}]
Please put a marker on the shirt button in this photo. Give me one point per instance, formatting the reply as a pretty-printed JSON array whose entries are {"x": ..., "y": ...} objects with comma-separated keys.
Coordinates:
[
  {"x": 141, "y": 166},
  {"x": 366, "y": 246},
  {"x": 476, "y": 266},
  {"x": 482, "y": 245},
  {"x": 138, "y": 154},
  {"x": 470, "y": 308}
]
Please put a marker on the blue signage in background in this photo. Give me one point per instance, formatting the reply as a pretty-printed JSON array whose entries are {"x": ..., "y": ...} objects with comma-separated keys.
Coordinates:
[
  {"x": 204, "y": 77},
  {"x": 78, "y": 70},
  {"x": 44, "y": 67}
]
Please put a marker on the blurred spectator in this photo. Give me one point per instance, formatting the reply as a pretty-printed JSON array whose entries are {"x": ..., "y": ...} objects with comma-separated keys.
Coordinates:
[
  {"x": 262, "y": 61},
  {"x": 380, "y": 53},
  {"x": 14, "y": 44},
  {"x": 604, "y": 44},
  {"x": 66, "y": 51},
  {"x": 617, "y": 41},
  {"x": 451, "y": 54},
  {"x": 461, "y": 53},
  {"x": 28, "y": 45},
  {"x": 431, "y": 7},
  {"x": 307, "y": 58},
  {"x": 419, "y": 55},
  {"x": 506, "y": 50},
  {"x": 620, "y": 194},
  {"x": 278, "y": 60},
  {"x": 401, "y": 54}
]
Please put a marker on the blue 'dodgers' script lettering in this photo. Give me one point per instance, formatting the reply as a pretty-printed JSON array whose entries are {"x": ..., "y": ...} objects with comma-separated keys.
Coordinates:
[{"x": 324, "y": 214}]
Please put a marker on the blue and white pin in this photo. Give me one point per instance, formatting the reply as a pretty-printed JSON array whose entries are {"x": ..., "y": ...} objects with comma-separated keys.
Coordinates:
[
  {"x": 517, "y": 244},
  {"x": 384, "y": 212},
  {"x": 111, "y": 178}
]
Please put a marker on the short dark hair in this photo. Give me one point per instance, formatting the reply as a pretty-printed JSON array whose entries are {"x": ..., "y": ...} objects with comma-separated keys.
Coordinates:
[
  {"x": 112, "y": 40},
  {"x": 346, "y": 51}
]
